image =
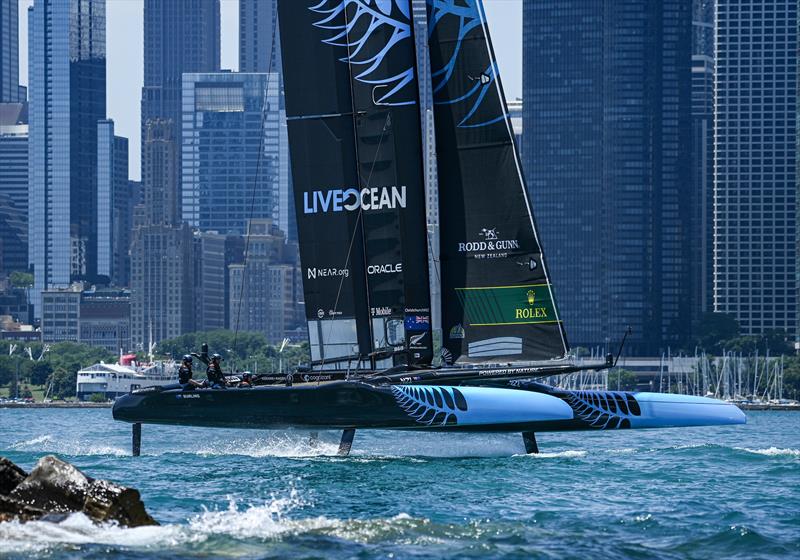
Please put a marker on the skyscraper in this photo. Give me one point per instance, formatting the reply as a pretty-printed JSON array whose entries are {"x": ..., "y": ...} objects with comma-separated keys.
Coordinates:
[
  {"x": 162, "y": 298},
  {"x": 13, "y": 188},
  {"x": 702, "y": 193},
  {"x": 606, "y": 149},
  {"x": 9, "y": 51},
  {"x": 113, "y": 195},
  {"x": 755, "y": 164},
  {"x": 259, "y": 39},
  {"x": 66, "y": 68},
  {"x": 260, "y": 51},
  {"x": 226, "y": 181},
  {"x": 179, "y": 36}
]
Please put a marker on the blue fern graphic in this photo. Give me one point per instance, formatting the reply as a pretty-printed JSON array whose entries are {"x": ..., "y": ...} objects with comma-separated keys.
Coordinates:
[
  {"x": 602, "y": 410},
  {"x": 470, "y": 16},
  {"x": 345, "y": 19},
  {"x": 432, "y": 406}
]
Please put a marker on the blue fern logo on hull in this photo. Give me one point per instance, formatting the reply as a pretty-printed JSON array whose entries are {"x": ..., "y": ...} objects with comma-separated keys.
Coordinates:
[
  {"x": 432, "y": 406},
  {"x": 352, "y": 24},
  {"x": 469, "y": 15}
]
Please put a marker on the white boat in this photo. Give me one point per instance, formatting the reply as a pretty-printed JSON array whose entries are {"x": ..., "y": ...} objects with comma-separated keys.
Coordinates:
[{"x": 114, "y": 380}]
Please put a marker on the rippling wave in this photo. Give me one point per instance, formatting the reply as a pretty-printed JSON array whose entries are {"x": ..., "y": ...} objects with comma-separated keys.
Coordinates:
[{"x": 671, "y": 494}]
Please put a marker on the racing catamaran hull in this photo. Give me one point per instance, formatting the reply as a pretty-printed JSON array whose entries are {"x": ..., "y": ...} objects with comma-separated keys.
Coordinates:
[{"x": 354, "y": 404}]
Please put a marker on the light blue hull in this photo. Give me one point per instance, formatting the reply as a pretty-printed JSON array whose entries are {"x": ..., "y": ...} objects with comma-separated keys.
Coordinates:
[{"x": 545, "y": 409}]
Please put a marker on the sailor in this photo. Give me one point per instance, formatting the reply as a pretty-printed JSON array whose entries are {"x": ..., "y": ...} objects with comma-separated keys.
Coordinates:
[
  {"x": 185, "y": 374},
  {"x": 214, "y": 373}
]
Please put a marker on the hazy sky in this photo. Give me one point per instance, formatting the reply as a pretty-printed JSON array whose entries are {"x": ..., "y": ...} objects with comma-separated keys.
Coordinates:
[{"x": 124, "y": 52}]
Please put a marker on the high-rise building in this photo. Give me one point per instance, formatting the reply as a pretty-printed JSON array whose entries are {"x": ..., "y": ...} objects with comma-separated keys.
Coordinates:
[
  {"x": 9, "y": 51},
  {"x": 265, "y": 291},
  {"x": 162, "y": 296},
  {"x": 113, "y": 200},
  {"x": 231, "y": 149},
  {"x": 13, "y": 187},
  {"x": 160, "y": 176},
  {"x": 259, "y": 38},
  {"x": 702, "y": 194},
  {"x": 606, "y": 113},
  {"x": 213, "y": 253},
  {"x": 67, "y": 74},
  {"x": 260, "y": 51},
  {"x": 755, "y": 164},
  {"x": 179, "y": 36}
]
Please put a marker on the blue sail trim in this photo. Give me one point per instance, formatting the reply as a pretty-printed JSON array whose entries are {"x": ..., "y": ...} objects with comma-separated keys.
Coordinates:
[
  {"x": 376, "y": 15},
  {"x": 470, "y": 16}
]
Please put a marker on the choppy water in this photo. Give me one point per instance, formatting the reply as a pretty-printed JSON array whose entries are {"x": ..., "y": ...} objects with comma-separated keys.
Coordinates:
[{"x": 730, "y": 492}]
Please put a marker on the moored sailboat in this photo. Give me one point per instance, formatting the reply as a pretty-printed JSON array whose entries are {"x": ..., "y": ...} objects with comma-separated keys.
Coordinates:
[{"x": 353, "y": 113}]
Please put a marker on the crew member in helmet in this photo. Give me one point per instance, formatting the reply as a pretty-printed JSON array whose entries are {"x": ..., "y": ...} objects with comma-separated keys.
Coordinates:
[
  {"x": 185, "y": 374},
  {"x": 214, "y": 373}
]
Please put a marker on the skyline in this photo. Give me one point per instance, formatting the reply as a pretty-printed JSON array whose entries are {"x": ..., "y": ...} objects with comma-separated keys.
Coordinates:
[{"x": 125, "y": 57}]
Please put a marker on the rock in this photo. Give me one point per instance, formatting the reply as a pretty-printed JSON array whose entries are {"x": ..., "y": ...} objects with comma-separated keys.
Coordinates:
[
  {"x": 55, "y": 488},
  {"x": 106, "y": 501},
  {"x": 14, "y": 509},
  {"x": 10, "y": 476}
]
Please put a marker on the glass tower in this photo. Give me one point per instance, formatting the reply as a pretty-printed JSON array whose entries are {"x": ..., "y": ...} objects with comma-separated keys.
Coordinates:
[
  {"x": 67, "y": 97},
  {"x": 225, "y": 181},
  {"x": 606, "y": 91},
  {"x": 9, "y": 51},
  {"x": 755, "y": 164}
]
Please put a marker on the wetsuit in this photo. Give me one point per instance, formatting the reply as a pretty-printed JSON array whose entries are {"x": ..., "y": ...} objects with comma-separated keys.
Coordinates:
[{"x": 214, "y": 374}]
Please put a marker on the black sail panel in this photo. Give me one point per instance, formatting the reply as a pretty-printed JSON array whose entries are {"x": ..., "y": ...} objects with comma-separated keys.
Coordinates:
[
  {"x": 354, "y": 134},
  {"x": 497, "y": 300}
]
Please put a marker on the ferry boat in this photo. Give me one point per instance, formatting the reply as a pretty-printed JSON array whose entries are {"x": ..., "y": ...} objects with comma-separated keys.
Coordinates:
[{"x": 115, "y": 380}]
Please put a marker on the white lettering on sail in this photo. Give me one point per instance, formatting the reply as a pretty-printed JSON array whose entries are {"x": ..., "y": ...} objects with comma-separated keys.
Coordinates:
[
  {"x": 348, "y": 200},
  {"x": 491, "y": 247}
]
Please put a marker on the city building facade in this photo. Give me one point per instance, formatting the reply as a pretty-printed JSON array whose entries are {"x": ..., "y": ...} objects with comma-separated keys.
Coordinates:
[
  {"x": 13, "y": 188},
  {"x": 67, "y": 78},
  {"x": 755, "y": 164},
  {"x": 702, "y": 194},
  {"x": 113, "y": 196},
  {"x": 606, "y": 90},
  {"x": 9, "y": 51},
  {"x": 179, "y": 36},
  {"x": 162, "y": 249},
  {"x": 99, "y": 318},
  {"x": 259, "y": 36},
  {"x": 230, "y": 149},
  {"x": 266, "y": 289}
]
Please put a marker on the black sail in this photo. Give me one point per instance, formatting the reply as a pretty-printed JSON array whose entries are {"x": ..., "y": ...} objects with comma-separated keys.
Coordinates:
[
  {"x": 497, "y": 300},
  {"x": 354, "y": 136}
]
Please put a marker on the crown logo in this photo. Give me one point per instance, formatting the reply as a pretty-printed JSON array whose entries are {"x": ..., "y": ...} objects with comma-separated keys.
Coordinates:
[{"x": 531, "y": 297}]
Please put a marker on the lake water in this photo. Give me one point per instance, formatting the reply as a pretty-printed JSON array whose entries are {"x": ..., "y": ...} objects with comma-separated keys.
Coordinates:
[{"x": 731, "y": 492}]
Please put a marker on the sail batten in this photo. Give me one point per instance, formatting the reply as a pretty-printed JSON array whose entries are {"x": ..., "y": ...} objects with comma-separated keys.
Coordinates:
[{"x": 497, "y": 297}]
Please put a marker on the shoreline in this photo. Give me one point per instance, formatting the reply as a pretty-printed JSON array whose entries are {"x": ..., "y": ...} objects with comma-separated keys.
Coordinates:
[{"x": 58, "y": 405}]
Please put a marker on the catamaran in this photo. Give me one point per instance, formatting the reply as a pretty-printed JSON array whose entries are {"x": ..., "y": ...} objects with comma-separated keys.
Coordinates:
[{"x": 371, "y": 264}]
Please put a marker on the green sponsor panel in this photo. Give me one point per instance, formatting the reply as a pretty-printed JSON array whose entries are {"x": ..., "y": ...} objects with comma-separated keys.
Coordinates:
[{"x": 508, "y": 305}]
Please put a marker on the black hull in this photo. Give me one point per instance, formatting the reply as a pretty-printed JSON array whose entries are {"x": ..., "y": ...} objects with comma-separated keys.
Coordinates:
[{"x": 360, "y": 405}]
